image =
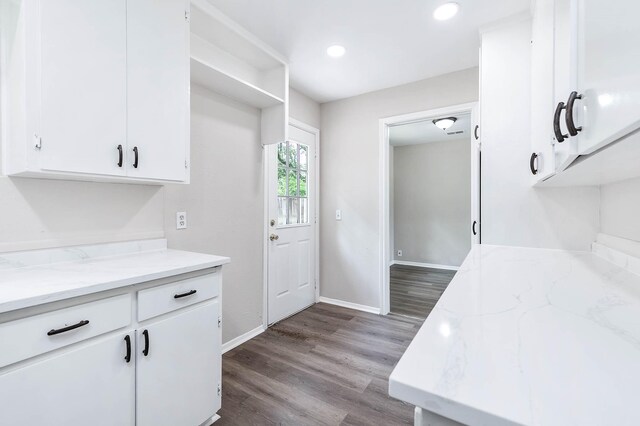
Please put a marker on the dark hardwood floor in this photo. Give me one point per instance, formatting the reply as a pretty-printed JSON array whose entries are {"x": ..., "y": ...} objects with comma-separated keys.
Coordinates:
[
  {"x": 416, "y": 290},
  {"x": 326, "y": 365}
]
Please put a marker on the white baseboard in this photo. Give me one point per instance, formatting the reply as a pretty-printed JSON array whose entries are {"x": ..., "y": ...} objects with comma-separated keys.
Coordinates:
[
  {"x": 349, "y": 305},
  {"x": 226, "y": 347},
  {"x": 425, "y": 265}
]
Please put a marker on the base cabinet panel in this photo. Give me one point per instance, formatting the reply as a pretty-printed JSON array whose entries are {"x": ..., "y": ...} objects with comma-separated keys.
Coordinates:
[
  {"x": 178, "y": 368},
  {"x": 91, "y": 385}
]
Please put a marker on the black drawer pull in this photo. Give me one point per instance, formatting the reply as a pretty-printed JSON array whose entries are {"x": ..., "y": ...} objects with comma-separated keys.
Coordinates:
[
  {"x": 55, "y": 331},
  {"x": 560, "y": 137},
  {"x": 119, "y": 155},
  {"x": 533, "y": 163},
  {"x": 189, "y": 293},
  {"x": 135, "y": 156},
  {"x": 145, "y": 351},
  {"x": 473, "y": 228},
  {"x": 127, "y": 340},
  {"x": 475, "y": 132},
  {"x": 568, "y": 116}
]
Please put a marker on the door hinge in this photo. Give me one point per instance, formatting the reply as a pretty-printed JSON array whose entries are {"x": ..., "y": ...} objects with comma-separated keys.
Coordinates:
[
  {"x": 37, "y": 142},
  {"x": 186, "y": 165},
  {"x": 187, "y": 16},
  {"x": 219, "y": 389},
  {"x": 219, "y": 321}
]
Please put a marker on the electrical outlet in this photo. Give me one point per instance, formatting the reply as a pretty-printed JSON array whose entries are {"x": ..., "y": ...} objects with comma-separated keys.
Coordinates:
[
  {"x": 181, "y": 220},
  {"x": 338, "y": 214},
  {"x": 399, "y": 253}
]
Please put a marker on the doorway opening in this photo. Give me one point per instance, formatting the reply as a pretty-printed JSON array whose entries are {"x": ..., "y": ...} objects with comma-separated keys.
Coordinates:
[{"x": 430, "y": 204}]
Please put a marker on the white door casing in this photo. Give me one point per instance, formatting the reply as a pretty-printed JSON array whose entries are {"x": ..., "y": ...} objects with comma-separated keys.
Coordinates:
[{"x": 292, "y": 198}]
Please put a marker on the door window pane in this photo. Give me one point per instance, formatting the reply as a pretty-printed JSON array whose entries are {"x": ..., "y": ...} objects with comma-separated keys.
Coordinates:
[
  {"x": 293, "y": 191},
  {"x": 282, "y": 210},
  {"x": 303, "y": 157}
]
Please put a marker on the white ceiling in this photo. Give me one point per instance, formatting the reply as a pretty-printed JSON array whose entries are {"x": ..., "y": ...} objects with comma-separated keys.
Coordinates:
[
  {"x": 389, "y": 42},
  {"x": 425, "y": 131}
]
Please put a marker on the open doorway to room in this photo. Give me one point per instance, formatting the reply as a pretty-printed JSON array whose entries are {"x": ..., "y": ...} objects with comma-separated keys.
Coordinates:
[{"x": 431, "y": 201}]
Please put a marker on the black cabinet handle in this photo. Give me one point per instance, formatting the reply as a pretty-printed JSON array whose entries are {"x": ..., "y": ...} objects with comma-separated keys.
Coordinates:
[
  {"x": 119, "y": 155},
  {"x": 532, "y": 162},
  {"x": 475, "y": 131},
  {"x": 556, "y": 123},
  {"x": 54, "y": 331},
  {"x": 568, "y": 116},
  {"x": 189, "y": 293},
  {"x": 145, "y": 351},
  {"x": 135, "y": 157},
  {"x": 473, "y": 228},
  {"x": 127, "y": 340}
]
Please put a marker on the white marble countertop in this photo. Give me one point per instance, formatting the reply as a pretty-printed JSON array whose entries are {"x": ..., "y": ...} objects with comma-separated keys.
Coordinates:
[
  {"x": 41, "y": 276},
  {"x": 529, "y": 336}
]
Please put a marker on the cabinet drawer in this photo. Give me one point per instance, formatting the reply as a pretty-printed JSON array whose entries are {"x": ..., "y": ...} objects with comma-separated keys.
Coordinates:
[
  {"x": 169, "y": 297},
  {"x": 42, "y": 333}
]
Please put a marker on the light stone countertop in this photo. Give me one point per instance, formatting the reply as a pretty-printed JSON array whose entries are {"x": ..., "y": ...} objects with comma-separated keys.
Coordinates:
[
  {"x": 36, "y": 277},
  {"x": 529, "y": 336}
]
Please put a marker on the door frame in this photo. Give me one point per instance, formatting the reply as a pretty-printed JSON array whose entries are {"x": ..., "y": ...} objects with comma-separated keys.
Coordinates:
[
  {"x": 265, "y": 247},
  {"x": 383, "y": 184}
]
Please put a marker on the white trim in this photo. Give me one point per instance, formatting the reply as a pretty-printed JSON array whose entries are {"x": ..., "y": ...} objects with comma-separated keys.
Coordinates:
[
  {"x": 350, "y": 305},
  {"x": 233, "y": 343},
  {"x": 424, "y": 265},
  {"x": 383, "y": 187}
]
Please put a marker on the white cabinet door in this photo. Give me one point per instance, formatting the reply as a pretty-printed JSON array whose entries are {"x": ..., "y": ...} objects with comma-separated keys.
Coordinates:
[
  {"x": 179, "y": 374},
  {"x": 83, "y": 85},
  {"x": 542, "y": 162},
  {"x": 564, "y": 66},
  {"x": 91, "y": 385},
  {"x": 158, "y": 88},
  {"x": 608, "y": 71}
]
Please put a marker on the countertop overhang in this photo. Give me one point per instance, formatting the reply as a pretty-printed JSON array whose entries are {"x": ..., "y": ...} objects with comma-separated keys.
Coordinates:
[
  {"x": 529, "y": 336},
  {"x": 36, "y": 277}
]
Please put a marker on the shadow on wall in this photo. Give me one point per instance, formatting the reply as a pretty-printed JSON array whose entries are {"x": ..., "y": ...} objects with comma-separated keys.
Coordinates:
[{"x": 40, "y": 213}]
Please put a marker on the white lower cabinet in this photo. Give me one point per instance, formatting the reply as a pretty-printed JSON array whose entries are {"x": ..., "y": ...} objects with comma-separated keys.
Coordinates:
[
  {"x": 178, "y": 372},
  {"x": 91, "y": 362},
  {"x": 91, "y": 385}
]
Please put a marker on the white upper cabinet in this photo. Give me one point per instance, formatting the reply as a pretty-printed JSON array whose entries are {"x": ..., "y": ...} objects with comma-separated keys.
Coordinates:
[
  {"x": 585, "y": 79},
  {"x": 83, "y": 93},
  {"x": 90, "y": 83},
  {"x": 158, "y": 88},
  {"x": 608, "y": 74}
]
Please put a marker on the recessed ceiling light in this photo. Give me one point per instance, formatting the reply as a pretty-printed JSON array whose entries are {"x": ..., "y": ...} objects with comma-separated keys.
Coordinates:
[
  {"x": 336, "y": 51},
  {"x": 446, "y": 11},
  {"x": 444, "y": 123}
]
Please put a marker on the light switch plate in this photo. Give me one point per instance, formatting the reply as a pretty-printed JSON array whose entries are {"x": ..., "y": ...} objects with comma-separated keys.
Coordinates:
[
  {"x": 181, "y": 220},
  {"x": 338, "y": 214}
]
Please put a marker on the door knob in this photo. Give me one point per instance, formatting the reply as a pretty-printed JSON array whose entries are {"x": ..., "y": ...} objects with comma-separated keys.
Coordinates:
[{"x": 273, "y": 237}]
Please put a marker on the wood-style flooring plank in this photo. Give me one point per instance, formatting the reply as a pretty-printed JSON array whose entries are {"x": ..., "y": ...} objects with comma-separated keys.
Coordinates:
[
  {"x": 415, "y": 290},
  {"x": 326, "y": 365}
]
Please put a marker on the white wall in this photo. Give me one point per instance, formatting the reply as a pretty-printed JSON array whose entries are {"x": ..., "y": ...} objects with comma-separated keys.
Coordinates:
[
  {"x": 514, "y": 213},
  {"x": 620, "y": 209},
  {"x": 349, "y": 174},
  {"x": 40, "y": 213},
  {"x": 304, "y": 109},
  {"x": 432, "y": 202},
  {"x": 225, "y": 200}
]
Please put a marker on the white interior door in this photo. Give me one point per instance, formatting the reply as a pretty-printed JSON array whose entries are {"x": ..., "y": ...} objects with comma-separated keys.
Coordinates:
[
  {"x": 292, "y": 224},
  {"x": 179, "y": 368},
  {"x": 83, "y": 80}
]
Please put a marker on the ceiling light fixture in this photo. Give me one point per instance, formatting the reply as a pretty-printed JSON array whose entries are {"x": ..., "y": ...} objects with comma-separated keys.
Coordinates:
[
  {"x": 444, "y": 123},
  {"x": 446, "y": 11},
  {"x": 336, "y": 51}
]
